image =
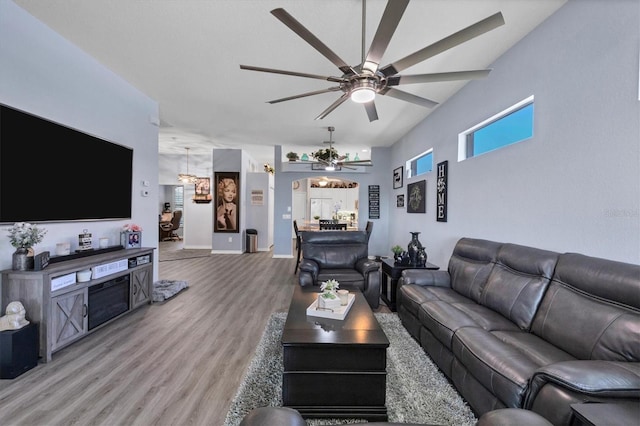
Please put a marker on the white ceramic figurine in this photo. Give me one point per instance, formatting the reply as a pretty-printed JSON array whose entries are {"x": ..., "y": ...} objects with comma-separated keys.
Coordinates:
[{"x": 14, "y": 318}]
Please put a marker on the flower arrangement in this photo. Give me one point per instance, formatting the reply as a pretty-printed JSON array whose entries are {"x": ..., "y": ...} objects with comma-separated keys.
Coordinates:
[
  {"x": 269, "y": 168},
  {"x": 329, "y": 286},
  {"x": 131, "y": 227},
  {"x": 25, "y": 235},
  {"x": 336, "y": 208},
  {"x": 397, "y": 249}
]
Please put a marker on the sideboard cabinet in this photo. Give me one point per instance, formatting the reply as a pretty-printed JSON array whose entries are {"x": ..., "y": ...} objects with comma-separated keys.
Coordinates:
[{"x": 66, "y": 309}]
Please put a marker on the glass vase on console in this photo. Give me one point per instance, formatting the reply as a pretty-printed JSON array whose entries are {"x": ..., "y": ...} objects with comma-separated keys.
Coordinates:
[{"x": 414, "y": 247}]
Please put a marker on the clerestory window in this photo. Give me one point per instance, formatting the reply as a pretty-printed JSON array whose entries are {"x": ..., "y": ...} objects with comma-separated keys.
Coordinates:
[{"x": 514, "y": 124}]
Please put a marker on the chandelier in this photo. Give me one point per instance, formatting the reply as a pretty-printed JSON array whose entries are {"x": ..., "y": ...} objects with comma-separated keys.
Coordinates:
[{"x": 186, "y": 177}]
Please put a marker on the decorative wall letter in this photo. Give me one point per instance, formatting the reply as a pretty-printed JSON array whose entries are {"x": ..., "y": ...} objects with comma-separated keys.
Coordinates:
[{"x": 441, "y": 185}]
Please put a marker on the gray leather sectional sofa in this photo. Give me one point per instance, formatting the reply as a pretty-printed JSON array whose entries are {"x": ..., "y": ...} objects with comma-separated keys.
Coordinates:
[{"x": 516, "y": 326}]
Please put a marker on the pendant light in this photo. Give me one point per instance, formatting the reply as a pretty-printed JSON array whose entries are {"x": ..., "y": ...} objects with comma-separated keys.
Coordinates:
[{"x": 187, "y": 178}]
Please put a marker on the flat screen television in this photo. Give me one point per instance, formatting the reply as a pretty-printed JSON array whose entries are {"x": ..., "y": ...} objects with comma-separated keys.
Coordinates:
[{"x": 52, "y": 173}]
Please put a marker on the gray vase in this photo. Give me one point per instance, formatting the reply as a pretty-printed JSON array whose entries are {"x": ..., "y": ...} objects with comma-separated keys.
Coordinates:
[
  {"x": 414, "y": 247},
  {"x": 21, "y": 260}
]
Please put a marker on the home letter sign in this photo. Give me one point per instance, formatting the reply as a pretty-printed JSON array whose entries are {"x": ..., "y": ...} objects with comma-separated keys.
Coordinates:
[{"x": 441, "y": 202}]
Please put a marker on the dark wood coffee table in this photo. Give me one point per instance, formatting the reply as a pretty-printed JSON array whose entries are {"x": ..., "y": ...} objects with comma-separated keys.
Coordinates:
[
  {"x": 334, "y": 368},
  {"x": 392, "y": 272}
]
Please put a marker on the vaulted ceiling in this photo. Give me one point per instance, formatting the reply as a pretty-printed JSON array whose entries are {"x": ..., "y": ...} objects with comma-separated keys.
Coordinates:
[{"x": 187, "y": 54}]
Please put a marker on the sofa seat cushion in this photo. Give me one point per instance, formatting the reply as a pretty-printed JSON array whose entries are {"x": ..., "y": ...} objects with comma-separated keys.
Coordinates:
[
  {"x": 414, "y": 295},
  {"x": 443, "y": 319},
  {"x": 346, "y": 277},
  {"x": 504, "y": 361}
]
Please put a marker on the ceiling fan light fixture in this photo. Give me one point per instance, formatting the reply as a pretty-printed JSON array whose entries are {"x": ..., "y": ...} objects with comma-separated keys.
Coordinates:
[
  {"x": 363, "y": 91},
  {"x": 330, "y": 168},
  {"x": 362, "y": 95}
]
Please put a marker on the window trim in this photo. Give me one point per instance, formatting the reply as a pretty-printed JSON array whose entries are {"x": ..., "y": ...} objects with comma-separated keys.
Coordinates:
[
  {"x": 407, "y": 165},
  {"x": 462, "y": 136}
]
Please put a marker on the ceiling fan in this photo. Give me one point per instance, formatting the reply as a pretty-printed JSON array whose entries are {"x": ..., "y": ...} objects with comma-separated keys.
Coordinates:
[
  {"x": 336, "y": 160},
  {"x": 363, "y": 82}
]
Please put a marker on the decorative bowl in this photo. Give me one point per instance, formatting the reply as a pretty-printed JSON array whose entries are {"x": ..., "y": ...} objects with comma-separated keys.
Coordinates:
[{"x": 83, "y": 276}]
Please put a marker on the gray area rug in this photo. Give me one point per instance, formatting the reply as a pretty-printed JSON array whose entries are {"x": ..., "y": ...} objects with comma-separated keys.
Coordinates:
[
  {"x": 417, "y": 392},
  {"x": 166, "y": 289}
]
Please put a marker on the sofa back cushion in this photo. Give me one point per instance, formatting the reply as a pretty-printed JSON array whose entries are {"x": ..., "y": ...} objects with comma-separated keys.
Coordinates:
[
  {"x": 518, "y": 281},
  {"x": 592, "y": 309},
  {"x": 335, "y": 249},
  {"x": 470, "y": 265}
]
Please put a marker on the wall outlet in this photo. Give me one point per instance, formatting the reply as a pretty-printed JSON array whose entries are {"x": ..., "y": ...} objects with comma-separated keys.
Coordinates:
[{"x": 230, "y": 239}]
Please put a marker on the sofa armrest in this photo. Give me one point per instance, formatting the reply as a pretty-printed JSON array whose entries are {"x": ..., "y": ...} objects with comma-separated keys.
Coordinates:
[
  {"x": 555, "y": 387},
  {"x": 364, "y": 266},
  {"x": 425, "y": 277},
  {"x": 309, "y": 270}
]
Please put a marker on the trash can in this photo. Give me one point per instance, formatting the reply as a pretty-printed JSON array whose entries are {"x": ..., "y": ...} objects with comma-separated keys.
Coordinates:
[{"x": 252, "y": 240}]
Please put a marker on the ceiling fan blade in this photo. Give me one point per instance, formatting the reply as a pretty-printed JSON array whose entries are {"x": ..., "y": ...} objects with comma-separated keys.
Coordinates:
[
  {"x": 466, "y": 34},
  {"x": 304, "y": 95},
  {"x": 359, "y": 163},
  {"x": 404, "y": 96},
  {"x": 388, "y": 24},
  {"x": 293, "y": 73},
  {"x": 333, "y": 106},
  {"x": 372, "y": 113},
  {"x": 435, "y": 77},
  {"x": 307, "y": 36}
]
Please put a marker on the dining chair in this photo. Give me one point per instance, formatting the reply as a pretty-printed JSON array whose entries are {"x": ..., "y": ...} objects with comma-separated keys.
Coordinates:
[
  {"x": 368, "y": 229},
  {"x": 298, "y": 245}
]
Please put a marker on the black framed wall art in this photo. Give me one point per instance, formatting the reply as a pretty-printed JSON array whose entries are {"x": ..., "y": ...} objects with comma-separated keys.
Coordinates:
[
  {"x": 227, "y": 206},
  {"x": 397, "y": 177},
  {"x": 400, "y": 200},
  {"x": 416, "y": 197}
]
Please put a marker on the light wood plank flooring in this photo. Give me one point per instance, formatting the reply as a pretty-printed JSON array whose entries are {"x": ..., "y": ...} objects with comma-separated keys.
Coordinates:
[{"x": 174, "y": 363}]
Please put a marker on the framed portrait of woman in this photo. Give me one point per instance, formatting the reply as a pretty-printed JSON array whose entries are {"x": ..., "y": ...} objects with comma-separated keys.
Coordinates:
[{"x": 227, "y": 194}]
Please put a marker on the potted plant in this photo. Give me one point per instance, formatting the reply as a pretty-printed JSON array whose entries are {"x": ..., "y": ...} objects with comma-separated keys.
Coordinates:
[
  {"x": 328, "y": 298},
  {"x": 397, "y": 252},
  {"x": 325, "y": 154},
  {"x": 292, "y": 156},
  {"x": 23, "y": 236}
]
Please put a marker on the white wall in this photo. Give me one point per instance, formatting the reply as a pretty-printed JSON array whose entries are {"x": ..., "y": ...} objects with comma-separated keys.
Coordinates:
[
  {"x": 260, "y": 217},
  {"x": 575, "y": 186},
  {"x": 43, "y": 74},
  {"x": 196, "y": 218}
]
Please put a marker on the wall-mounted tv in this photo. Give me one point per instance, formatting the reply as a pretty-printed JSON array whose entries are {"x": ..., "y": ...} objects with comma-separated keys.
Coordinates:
[{"x": 52, "y": 173}]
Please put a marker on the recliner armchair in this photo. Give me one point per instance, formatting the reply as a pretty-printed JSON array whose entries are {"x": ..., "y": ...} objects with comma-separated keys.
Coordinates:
[{"x": 342, "y": 256}]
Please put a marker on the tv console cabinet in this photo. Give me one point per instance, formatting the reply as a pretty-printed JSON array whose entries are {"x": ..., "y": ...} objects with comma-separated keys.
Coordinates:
[{"x": 62, "y": 314}]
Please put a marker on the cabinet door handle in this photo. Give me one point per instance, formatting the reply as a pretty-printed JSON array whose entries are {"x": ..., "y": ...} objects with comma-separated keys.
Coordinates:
[{"x": 84, "y": 310}]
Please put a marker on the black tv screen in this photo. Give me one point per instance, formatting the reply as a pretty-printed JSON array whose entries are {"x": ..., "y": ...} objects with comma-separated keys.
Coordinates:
[{"x": 52, "y": 173}]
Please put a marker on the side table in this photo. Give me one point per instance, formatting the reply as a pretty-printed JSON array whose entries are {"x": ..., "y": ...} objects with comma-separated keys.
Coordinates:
[{"x": 393, "y": 272}]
